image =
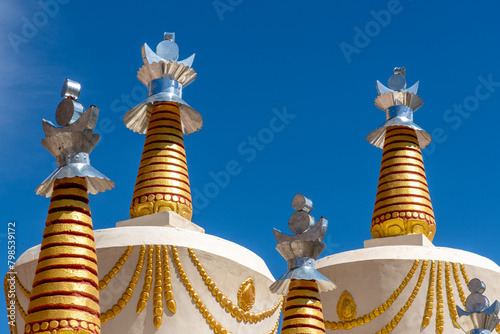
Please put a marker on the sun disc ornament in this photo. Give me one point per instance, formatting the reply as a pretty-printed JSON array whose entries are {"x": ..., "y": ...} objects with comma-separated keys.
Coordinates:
[{"x": 246, "y": 294}]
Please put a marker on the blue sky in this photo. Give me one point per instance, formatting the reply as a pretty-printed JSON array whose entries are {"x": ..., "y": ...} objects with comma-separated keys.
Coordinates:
[{"x": 317, "y": 61}]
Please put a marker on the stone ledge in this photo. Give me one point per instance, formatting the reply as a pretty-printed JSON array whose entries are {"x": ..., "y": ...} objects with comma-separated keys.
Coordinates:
[
  {"x": 164, "y": 218},
  {"x": 400, "y": 240}
]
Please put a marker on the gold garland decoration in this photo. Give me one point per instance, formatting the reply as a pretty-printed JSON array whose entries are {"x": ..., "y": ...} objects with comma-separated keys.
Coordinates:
[
  {"x": 376, "y": 311},
  {"x": 116, "y": 268},
  {"x": 146, "y": 288},
  {"x": 25, "y": 291},
  {"x": 449, "y": 294},
  {"x": 440, "y": 303},
  {"x": 167, "y": 283},
  {"x": 12, "y": 329},
  {"x": 236, "y": 312},
  {"x": 429, "y": 305},
  {"x": 457, "y": 282},
  {"x": 158, "y": 289},
  {"x": 214, "y": 324},
  {"x": 464, "y": 274},
  {"x": 397, "y": 318},
  {"x": 120, "y": 304}
]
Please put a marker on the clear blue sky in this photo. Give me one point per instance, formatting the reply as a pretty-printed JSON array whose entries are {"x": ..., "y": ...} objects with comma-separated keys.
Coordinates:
[{"x": 319, "y": 60}]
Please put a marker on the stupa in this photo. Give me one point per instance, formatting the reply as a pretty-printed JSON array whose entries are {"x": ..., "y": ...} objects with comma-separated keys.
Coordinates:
[{"x": 158, "y": 272}]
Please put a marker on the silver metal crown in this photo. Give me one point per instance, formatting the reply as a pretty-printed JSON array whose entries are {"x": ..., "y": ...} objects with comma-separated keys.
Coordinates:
[
  {"x": 72, "y": 142},
  {"x": 480, "y": 317},
  {"x": 301, "y": 250},
  {"x": 399, "y": 104},
  {"x": 165, "y": 78}
]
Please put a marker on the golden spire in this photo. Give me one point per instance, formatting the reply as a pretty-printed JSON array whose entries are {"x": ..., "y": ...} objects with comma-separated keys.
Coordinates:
[
  {"x": 162, "y": 182},
  {"x": 301, "y": 284},
  {"x": 403, "y": 204},
  {"x": 65, "y": 297}
]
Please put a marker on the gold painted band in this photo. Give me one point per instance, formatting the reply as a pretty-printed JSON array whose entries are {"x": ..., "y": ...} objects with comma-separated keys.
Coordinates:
[
  {"x": 67, "y": 228},
  {"x": 160, "y": 122},
  {"x": 62, "y": 251},
  {"x": 71, "y": 192},
  {"x": 67, "y": 287},
  {"x": 151, "y": 175},
  {"x": 67, "y": 239},
  {"x": 49, "y": 315},
  {"x": 403, "y": 199},
  {"x": 303, "y": 283},
  {"x": 402, "y": 168},
  {"x": 304, "y": 311},
  {"x": 163, "y": 182},
  {"x": 164, "y": 167},
  {"x": 166, "y": 131},
  {"x": 70, "y": 262},
  {"x": 301, "y": 330},
  {"x": 404, "y": 153},
  {"x": 165, "y": 153},
  {"x": 303, "y": 321},
  {"x": 62, "y": 203},
  {"x": 303, "y": 302},
  {"x": 64, "y": 301},
  {"x": 402, "y": 191},
  {"x": 165, "y": 162},
  {"x": 303, "y": 292},
  {"x": 402, "y": 177},
  {"x": 402, "y": 161},
  {"x": 402, "y": 146},
  {"x": 62, "y": 274},
  {"x": 163, "y": 140},
  {"x": 71, "y": 216},
  {"x": 402, "y": 138},
  {"x": 403, "y": 184},
  {"x": 155, "y": 149}
]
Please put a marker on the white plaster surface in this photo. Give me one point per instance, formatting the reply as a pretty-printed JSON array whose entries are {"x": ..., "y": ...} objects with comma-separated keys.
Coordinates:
[
  {"x": 227, "y": 263},
  {"x": 164, "y": 218},
  {"x": 400, "y": 240},
  {"x": 372, "y": 274}
]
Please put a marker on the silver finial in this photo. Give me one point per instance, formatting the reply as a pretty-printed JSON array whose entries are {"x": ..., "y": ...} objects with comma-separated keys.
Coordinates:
[
  {"x": 480, "y": 317},
  {"x": 301, "y": 250},
  {"x": 399, "y": 104},
  {"x": 166, "y": 77},
  {"x": 72, "y": 143}
]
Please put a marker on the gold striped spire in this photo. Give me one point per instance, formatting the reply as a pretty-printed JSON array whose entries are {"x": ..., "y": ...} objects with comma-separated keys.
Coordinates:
[
  {"x": 65, "y": 297},
  {"x": 303, "y": 312},
  {"x": 403, "y": 204},
  {"x": 162, "y": 181}
]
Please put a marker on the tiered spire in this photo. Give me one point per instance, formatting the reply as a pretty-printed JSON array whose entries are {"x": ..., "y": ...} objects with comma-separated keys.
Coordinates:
[
  {"x": 403, "y": 204},
  {"x": 302, "y": 283},
  {"x": 65, "y": 297},
  {"x": 162, "y": 181}
]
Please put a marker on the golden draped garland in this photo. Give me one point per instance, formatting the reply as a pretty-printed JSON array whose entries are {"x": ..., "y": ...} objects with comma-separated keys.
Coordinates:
[
  {"x": 120, "y": 304},
  {"x": 116, "y": 268},
  {"x": 223, "y": 300},
  {"x": 364, "y": 319},
  {"x": 397, "y": 318},
  {"x": 435, "y": 286}
]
